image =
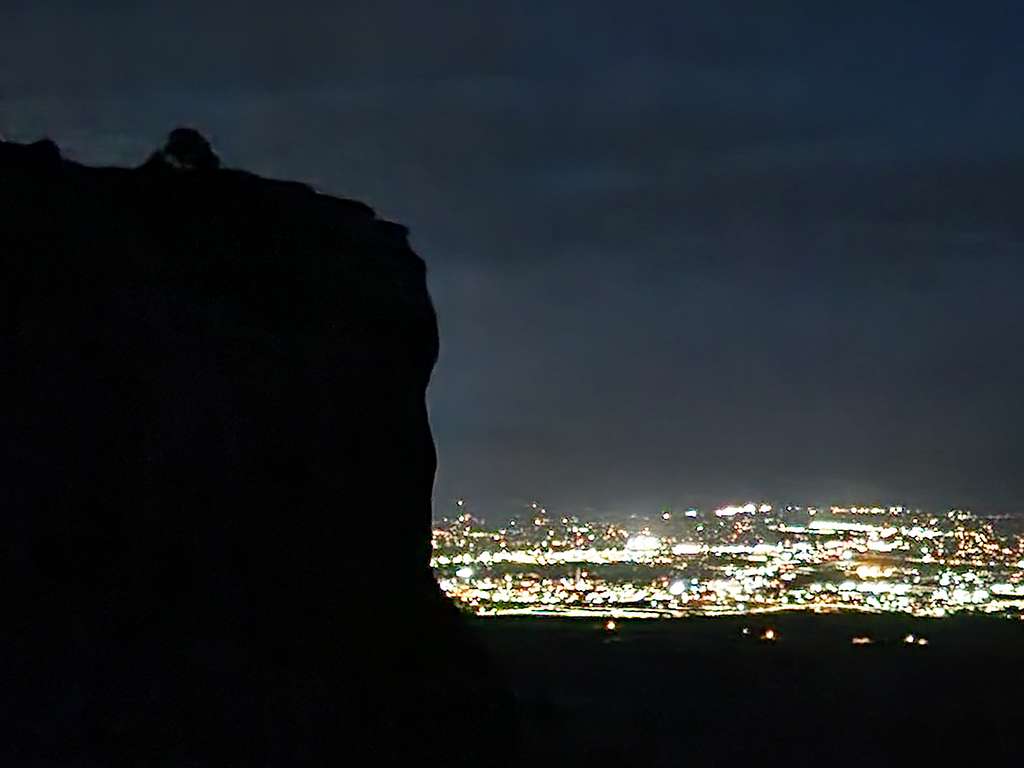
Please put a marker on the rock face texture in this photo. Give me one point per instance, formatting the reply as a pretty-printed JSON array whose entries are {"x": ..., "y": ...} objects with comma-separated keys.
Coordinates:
[{"x": 215, "y": 477}]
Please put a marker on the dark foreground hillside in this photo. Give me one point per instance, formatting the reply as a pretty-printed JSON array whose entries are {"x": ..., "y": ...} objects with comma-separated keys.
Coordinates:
[
  {"x": 210, "y": 379},
  {"x": 701, "y": 693}
]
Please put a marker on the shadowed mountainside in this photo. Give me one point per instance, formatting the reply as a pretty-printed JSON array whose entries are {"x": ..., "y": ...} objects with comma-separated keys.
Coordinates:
[{"x": 217, "y": 470}]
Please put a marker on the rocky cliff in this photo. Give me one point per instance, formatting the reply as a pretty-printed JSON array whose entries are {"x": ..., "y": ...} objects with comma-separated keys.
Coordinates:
[{"x": 215, "y": 476}]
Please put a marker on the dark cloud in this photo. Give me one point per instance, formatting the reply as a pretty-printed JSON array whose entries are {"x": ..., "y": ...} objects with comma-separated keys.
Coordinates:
[{"x": 680, "y": 252}]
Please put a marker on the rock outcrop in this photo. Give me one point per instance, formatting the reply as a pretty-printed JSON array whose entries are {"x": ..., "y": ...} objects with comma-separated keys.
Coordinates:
[{"x": 216, "y": 477}]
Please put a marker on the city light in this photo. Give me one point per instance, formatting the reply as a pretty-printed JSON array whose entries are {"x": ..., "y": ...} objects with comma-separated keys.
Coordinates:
[
  {"x": 732, "y": 560},
  {"x": 644, "y": 543}
]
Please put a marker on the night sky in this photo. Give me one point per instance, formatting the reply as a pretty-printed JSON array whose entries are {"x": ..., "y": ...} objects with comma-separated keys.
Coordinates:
[{"x": 681, "y": 252}]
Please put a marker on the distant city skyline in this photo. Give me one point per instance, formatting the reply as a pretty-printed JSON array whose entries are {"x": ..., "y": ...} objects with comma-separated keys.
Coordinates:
[{"x": 735, "y": 560}]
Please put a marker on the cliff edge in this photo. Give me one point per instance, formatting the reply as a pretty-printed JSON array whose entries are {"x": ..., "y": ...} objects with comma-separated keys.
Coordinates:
[{"x": 216, "y": 477}]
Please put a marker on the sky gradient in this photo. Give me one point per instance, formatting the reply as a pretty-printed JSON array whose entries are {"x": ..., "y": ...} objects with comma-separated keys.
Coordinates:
[{"x": 681, "y": 252}]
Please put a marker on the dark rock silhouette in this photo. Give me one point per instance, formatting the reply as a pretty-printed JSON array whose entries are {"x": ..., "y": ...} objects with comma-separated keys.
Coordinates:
[
  {"x": 216, "y": 478},
  {"x": 187, "y": 149}
]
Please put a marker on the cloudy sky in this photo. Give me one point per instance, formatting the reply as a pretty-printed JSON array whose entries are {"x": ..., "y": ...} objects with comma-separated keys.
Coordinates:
[{"x": 682, "y": 252}]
